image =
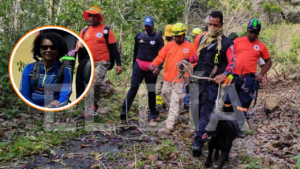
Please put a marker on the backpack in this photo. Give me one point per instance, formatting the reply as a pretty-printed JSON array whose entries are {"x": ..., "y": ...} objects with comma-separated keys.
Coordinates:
[
  {"x": 65, "y": 62},
  {"x": 111, "y": 58}
]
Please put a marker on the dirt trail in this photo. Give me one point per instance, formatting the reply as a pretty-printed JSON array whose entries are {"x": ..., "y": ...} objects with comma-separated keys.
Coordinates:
[{"x": 274, "y": 141}]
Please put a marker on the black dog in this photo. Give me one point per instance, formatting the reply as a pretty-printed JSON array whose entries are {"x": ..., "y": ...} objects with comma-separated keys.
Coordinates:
[{"x": 221, "y": 139}]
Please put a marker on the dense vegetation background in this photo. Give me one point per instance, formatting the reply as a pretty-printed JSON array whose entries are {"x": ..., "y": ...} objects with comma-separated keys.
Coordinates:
[{"x": 280, "y": 30}]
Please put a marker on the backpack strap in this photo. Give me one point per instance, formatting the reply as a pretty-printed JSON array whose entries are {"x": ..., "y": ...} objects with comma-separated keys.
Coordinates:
[
  {"x": 65, "y": 62},
  {"x": 200, "y": 40},
  {"x": 84, "y": 30},
  {"x": 106, "y": 34},
  {"x": 35, "y": 75},
  {"x": 61, "y": 74}
]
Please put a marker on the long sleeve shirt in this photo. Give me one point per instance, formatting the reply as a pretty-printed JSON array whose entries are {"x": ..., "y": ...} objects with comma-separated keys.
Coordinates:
[{"x": 174, "y": 53}]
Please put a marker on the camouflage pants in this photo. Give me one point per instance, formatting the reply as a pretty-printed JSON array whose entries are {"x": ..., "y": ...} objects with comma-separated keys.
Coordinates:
[
  {"x": 101, "y": 85},
  {"x": 159, "y": 82}
]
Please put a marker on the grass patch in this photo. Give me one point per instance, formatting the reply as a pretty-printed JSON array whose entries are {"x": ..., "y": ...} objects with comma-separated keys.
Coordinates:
[
  {"x": 249, "y": 132},
  {"x": 251, "y": 161},
  {"x": 22, "y": 146}
]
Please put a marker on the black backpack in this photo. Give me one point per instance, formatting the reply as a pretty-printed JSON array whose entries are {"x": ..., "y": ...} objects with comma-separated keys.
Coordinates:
[
  {"x": 65, "y": 62},
  {"x": 111, "y": 58}
]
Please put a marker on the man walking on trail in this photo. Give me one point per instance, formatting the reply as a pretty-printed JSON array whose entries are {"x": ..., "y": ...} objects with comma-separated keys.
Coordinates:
[
  {"x": 173, "y": 53},
  {"x": 103, "y": 49},
  {"x": 186, "y": 99},
  {"x": 232, "y": 36},
  {"x": 247, "y": 51},
  {"x": 147, "y": 45},
  {"x": 160, "y": 105},
  {"x": 215, "y": 60}
]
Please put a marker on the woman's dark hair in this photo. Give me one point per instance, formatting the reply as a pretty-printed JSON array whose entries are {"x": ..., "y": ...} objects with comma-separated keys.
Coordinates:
[
  {"x": 57, "y": 40},
  {"x": 217, "y": 14}
]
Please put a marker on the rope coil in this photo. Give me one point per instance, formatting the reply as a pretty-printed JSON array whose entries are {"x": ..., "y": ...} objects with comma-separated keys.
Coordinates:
[{"x": 185, "y": 72}]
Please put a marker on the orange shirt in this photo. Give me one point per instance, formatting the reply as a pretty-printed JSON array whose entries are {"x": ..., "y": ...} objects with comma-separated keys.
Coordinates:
[
  {"x": 247, "y": 54},
  {"x": 94, "y": 37},
  {"x": 196, "y": 43},
  {"x": 173, "y": 53}
]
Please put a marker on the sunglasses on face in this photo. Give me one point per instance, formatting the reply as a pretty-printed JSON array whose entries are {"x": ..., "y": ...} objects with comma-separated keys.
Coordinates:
[
  {"x": 253, "y": 32},
  {"x": 44, "y": 47}
]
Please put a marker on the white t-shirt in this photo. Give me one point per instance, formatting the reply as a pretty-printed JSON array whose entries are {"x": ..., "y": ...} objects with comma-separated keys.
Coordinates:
[{"x": 260, "y": 62}]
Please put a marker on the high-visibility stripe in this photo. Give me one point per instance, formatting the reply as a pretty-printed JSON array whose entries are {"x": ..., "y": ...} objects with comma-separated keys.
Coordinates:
[
  {"x": 227, "y": 105},
  {"x": 242, "y": 109}
]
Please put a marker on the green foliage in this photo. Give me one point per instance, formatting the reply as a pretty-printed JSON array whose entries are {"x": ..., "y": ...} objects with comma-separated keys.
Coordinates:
[
  {"x": 283, "y": 46},
  {"x": 298, "y": 160},
  {"x": 166, "y": 149},
  {"x": 21, "y": 146},
  {"x": 271, "y": 9},
  {"x": 251, "y": 161},
  {"x": 295, "y": 43},
  {"x": 21, "y": 65}
]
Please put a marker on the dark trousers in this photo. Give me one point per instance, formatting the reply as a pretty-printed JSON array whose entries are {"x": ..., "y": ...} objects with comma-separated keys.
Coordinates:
[
  {"x": 82, "y": 76},
  {"x": 240, "y": 97},
  {"x": 210, "y": 93},
  {"x": 137, "y": 77}
]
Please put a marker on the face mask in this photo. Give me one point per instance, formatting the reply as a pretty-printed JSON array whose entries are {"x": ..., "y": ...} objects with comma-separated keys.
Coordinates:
[{"x": 215, "y": 32}]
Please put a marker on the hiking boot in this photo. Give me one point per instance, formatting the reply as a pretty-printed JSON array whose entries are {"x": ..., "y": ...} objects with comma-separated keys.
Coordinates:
[
  {"x": 123, "y": 116},
  {"x": 164, "y": 108},
  {"x": 197, "y": 151},
  {"x": 170, "y": 127},
  {"x": 186, "y": 108},
  {"x": 241, "y": 134},
  {"x": 246, "y": 116},
  {"x": 157, "y": 110},
  {"x": 81, "y": 117},
  {"x": 152, "y": 123},
  {"x": 93, "y": 110}
]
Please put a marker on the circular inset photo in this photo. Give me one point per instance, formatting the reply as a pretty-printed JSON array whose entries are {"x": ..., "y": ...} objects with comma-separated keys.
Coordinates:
[{"x": 46, "y": 67}]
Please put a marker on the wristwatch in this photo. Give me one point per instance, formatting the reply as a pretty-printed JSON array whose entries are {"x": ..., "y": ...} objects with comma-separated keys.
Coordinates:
[{"x": 226, "y": 72}]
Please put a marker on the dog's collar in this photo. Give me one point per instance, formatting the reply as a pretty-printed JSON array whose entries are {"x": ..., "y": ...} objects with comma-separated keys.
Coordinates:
[{"x": 205, "y": 136}]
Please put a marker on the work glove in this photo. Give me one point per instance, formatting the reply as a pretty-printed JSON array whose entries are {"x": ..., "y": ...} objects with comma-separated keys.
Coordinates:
[{"x": 227, "y": 80}]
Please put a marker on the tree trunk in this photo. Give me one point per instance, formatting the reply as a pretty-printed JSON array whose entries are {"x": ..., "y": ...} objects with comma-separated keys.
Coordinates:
[
  {"x": 16, "y": 13},
  {"x": 188, "y": 4},
  {"x": 233, "y": 16},
  {"x": 58, "y": 11},
  {"x": 51, "y": 10}
]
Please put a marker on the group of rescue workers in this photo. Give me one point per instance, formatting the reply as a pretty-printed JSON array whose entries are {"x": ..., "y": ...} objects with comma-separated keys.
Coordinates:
[{"x": 230, "y": 61}]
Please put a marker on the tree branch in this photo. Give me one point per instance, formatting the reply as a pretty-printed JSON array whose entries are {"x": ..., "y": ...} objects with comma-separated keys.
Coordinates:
[{"x": 234, "y": 15}]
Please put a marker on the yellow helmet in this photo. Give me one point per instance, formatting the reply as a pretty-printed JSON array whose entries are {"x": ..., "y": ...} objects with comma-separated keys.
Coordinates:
[
  {"x": 178, "y": 29},
  {"x": 168, "y": 30},
  {"x": 196, "y": 31}
]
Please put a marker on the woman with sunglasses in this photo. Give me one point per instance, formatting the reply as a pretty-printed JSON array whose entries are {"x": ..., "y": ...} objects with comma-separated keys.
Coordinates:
[{"x": 45, "y": 91}]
